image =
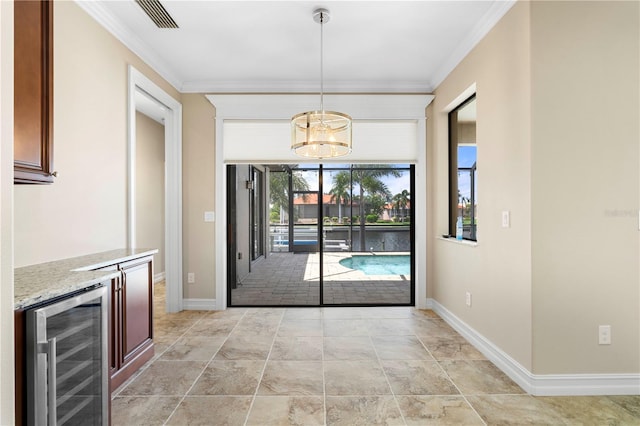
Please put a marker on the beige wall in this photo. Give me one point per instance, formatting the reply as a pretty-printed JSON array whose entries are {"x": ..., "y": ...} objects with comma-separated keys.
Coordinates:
[
  {"x": 7, "y": 402},
  {"x": 150, "y": 187},
  {"x": 85, "y": 209},
  {"x": 198, "y": 194},
  {"x": 498, "y": 270},
  {"x": 557, "y": 131},
  {"x": 585, "y": 185}
]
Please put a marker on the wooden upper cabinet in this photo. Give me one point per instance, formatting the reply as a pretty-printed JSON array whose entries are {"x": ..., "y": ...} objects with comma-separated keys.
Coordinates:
[{"x": 33, "y": 91}]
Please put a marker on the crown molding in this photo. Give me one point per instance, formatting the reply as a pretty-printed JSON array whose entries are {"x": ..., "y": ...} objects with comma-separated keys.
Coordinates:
[
  {"x": 490, "y": 19},
  {"x": 306, "y": 86},
  {"x": 101, "y": 15},
  {"x": 141, "y": 49}
]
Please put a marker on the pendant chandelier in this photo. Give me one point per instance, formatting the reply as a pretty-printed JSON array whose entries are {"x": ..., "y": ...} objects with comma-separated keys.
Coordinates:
[{"x": 321, "y": 134}]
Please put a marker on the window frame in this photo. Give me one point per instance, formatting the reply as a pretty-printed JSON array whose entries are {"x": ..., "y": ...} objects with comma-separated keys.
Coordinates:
[{"x": 453, "y": 142}]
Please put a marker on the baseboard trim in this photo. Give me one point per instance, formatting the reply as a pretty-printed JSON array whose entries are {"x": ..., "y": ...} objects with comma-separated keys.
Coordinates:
[
  {"x": 158, "y": 277},
  {"x": 540, "y": 384},
  {"x": 199, "y": 304}
]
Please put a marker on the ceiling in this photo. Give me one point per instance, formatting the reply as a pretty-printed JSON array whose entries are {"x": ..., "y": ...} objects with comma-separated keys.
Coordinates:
[{"x": 274, "y": 46}]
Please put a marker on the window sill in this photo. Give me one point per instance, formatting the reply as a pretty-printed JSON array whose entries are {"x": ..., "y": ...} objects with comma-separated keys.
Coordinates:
[{"x": 461, "y": 242}]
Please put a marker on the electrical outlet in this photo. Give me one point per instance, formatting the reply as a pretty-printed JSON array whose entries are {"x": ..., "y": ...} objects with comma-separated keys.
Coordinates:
[
  {"x": 239, "y": 255},
  {"x": 191, "y": 278},
  {"x": 468, "y": 299},
  {"x": 604, "y": 335}
]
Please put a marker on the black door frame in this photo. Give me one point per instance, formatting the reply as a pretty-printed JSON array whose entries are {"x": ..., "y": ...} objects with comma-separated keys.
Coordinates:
[{"x": 232, "y": 244}]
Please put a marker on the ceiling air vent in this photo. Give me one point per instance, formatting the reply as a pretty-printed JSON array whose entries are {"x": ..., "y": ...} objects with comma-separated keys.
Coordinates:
[{"x": 158, "y": 14}]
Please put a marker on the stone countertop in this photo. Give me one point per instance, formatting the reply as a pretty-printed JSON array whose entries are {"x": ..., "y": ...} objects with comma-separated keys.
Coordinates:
[{"x": 38, "y": 283}]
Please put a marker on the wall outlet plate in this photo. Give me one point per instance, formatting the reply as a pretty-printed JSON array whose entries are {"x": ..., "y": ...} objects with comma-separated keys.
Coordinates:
[{"x": 468, "y": 299}]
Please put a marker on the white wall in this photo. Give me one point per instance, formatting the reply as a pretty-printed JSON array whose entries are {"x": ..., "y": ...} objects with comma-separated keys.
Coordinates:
[{"x": 7, "y": 365}]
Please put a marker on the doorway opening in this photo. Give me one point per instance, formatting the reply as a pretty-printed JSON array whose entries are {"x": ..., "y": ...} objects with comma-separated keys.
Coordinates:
[
  {"x": 143, "y": 94},
  {"x": 320, "y": 235}
]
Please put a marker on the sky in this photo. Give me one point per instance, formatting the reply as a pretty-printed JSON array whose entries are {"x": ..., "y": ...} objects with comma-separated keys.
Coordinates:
[
  {"x": 467, "y": 155},
  {"x": 396, "y": 185}
]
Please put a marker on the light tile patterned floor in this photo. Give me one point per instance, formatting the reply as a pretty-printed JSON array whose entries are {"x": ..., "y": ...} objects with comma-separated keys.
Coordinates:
[
  {"x": 292, "y": 279},
  {"x": 334, "y": 366}
]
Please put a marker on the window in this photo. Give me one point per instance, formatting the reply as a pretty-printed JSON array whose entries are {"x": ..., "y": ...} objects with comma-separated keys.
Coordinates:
[{"x": 463, "y": 178}]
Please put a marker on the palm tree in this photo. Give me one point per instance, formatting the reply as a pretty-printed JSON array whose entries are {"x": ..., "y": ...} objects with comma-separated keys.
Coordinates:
[
  {"x": 401, "y": 200},
  {"x": 340, "y": 191},
  {"x": 369, "y": 180},
  {"x": 279, "y": 188}
]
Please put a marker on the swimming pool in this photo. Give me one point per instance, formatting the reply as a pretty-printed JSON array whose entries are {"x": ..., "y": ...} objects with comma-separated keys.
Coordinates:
[{"x": 379, "y": 265}]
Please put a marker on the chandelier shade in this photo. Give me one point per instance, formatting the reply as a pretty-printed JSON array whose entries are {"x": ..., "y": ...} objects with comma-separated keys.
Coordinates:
[{"x": 321, "y": 134}]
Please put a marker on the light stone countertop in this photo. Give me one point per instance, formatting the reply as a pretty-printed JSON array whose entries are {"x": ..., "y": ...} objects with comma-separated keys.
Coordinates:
[{"x": 39, "y": 283}]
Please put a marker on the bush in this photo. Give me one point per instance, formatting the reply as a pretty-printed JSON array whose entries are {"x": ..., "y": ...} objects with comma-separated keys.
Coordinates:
[{"x": 371, "y": 218}]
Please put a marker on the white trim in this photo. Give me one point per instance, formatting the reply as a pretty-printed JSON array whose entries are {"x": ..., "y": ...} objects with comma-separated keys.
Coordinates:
[
  {"x": 283, "y": 107},
  {"x": 138, "y": 46},
  {"x": 199, "y": 304},
  {"x": 159, "y": 277},
  {"x": 454, "y": 240},
  {"x": 420, "y": 185},
  {"x": 173, "y": 181},
  {"x": 221, "y": 218},
  {"x": 541, "y": 384},
  {"x": 306, "y": 86}
]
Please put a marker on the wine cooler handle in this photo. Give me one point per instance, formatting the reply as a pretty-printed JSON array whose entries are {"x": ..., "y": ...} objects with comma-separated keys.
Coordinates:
[{"x": 51, "y": 379}]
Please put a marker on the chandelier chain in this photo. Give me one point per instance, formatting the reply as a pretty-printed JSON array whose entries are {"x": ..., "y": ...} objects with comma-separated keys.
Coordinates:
[{"x": 322, "y": 61}]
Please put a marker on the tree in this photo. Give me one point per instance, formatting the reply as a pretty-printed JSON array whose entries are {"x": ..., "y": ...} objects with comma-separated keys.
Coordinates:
[
  {"x": 370, "y": 181},
  {"x": 279, "y": 188},
  {"x": 401, "y": 201},
  {"x": 340, "y": 191}
]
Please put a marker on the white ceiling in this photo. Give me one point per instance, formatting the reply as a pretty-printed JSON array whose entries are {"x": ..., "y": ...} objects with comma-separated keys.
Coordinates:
[{"x": 274, "y": 46}]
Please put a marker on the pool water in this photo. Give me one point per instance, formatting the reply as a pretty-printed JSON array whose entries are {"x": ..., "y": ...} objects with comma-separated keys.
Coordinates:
[{"x": 379, "y": 265}]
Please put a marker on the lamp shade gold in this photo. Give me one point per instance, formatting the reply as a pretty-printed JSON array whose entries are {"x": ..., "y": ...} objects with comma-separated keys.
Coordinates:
[{"x": 321, "y": 134}]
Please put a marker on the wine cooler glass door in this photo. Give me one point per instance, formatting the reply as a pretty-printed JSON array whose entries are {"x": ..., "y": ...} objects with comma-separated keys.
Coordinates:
[{"x": 68, "y": 383}]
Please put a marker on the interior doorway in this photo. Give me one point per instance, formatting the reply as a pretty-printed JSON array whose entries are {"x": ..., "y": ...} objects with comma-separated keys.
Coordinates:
[
  {"x": 337, "y": 235},
  {"x": 143, "y": 93},
  {"x": 150, "y": 188}
]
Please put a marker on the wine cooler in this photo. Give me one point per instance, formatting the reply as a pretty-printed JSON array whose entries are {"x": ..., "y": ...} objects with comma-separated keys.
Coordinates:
[{"x": 67, "y": 378}]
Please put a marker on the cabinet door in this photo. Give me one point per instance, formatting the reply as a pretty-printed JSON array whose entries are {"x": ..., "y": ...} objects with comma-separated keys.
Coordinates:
[
  {"x": 136, "y": 305},
  {"x": 33, "y": 91}
]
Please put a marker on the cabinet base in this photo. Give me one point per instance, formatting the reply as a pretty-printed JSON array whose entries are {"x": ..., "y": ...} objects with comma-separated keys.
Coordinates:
[{"x": 121, "y": 376}]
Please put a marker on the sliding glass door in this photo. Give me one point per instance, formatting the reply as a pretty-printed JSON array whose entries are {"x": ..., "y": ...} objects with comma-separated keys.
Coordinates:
[
  {"x": 367, "y": 233},
  {"x": 338, "y": 234}
]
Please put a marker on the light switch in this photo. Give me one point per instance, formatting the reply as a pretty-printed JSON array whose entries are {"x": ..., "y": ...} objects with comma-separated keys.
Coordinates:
[
  {"x": 209, "y": 216},
  {"x": 506, "y": 219}
]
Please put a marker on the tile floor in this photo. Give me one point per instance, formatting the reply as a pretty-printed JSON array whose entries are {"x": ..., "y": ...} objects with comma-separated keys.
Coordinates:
[
  {"x": 292, "y": 279},
  {"x": 334, "y": 366}
]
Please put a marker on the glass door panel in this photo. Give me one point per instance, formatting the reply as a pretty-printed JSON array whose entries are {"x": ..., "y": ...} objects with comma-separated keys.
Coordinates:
[{"x": 367, "y": 235}]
